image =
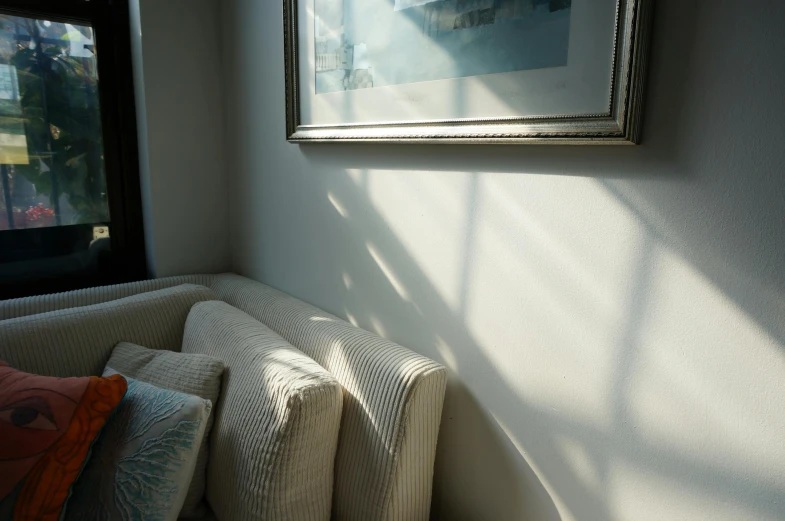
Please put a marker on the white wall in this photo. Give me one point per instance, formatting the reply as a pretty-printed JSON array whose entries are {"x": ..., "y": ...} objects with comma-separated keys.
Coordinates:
[
  {"x": 614, "y": 318},
  {"x": 179, "y": 96}
]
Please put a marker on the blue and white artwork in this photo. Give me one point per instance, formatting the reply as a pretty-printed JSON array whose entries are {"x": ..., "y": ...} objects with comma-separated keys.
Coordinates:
[{"x": 377, "y": 43}]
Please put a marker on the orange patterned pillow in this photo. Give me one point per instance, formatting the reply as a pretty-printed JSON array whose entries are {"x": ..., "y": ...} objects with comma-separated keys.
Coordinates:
[{"x": 47, "y": 426}]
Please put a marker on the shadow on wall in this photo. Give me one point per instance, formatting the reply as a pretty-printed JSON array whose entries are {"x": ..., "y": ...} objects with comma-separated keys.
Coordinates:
[
  {"x": 473, "y": 443},
  {"x": 667, "y": 160},
  {"x": 692, "y": 193},
  {"x": 733, "y": 207}
]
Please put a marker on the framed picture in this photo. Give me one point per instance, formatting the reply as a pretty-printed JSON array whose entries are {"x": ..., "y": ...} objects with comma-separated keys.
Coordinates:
[{"x": 466, "y": 71}]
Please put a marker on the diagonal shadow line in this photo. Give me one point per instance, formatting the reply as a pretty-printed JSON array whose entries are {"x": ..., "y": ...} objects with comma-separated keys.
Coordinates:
[
  {"x": 629, "y": 347},
  {"x": 469, "y": 244},
  {"x": 431, "y": 310},
  {"x": 766, "y": 306},
  {"x": 682, "y": 468}
]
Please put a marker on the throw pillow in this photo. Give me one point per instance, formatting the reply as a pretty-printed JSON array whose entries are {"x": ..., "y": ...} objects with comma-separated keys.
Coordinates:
[
  {"x": 143, "y": 462},
  {"x": 199, "y": 375},
  {"x": 47, "y": 426}
]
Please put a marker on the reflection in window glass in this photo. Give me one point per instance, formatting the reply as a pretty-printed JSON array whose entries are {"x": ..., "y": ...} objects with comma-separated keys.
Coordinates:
[{"x": 51, "y": 147}]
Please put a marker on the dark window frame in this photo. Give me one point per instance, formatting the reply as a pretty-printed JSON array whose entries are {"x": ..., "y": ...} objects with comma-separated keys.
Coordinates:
[{"x": 110, "y": 20}]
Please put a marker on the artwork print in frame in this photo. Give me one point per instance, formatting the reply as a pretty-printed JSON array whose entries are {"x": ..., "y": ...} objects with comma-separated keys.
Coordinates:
[{"x": 466, "y": 71}]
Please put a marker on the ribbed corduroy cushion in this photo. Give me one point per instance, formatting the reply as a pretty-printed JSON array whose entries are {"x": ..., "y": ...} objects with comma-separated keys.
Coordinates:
[
  {"x": 273, "y": 445},
  {"x": 188, "y": 373},
  {"x": 392, "y": 401},
  {"x": 22, "y": 307},
  {"x": 392, "y": 404},
  {"x": 79, "y": 341}
]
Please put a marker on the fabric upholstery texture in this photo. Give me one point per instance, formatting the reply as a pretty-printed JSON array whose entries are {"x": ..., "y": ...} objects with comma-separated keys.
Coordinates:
[
  {"x": 47, "y": 426},
  {"x": 392, "y": 404},
  {"x": 208, "y": 516},
  {"x": 273, "y": 446},
  {"x": 143, "y": 462},
  {"x": 392, "y": 396},
  {"x": 22, "y": 307},
  {"x": 195, "y": 374},
  {"x": 79, "y": 341}
]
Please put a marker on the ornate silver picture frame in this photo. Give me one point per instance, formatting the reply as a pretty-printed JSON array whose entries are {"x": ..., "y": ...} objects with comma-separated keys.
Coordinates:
[{"x": 466, "y": 71}]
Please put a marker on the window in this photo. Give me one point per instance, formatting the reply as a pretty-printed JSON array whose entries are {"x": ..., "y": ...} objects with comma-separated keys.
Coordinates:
[{"x": 70, "y": 205}]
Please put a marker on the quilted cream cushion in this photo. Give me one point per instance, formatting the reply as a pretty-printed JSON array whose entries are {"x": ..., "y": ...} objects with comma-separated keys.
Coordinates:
[
  {"x": 274, "y": 441},
  {"x": 199, "y": 375}
]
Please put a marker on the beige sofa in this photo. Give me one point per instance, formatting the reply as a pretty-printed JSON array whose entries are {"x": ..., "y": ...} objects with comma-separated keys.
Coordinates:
[{"x": 393, "y": 397}]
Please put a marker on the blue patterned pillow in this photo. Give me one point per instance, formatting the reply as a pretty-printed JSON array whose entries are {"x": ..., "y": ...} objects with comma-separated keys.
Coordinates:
[{"x": 144, "y": 460}]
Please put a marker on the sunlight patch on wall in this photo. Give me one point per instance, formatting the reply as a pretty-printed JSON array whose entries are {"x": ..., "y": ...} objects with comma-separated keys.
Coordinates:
[
  {"x": 388, "y": 272},
  {"x": 706, "y": 371},
  {"x": 351, "y": 318},
  {"x": 446, "y": 352},
  {"x": 356, "y": 175},
  {"x": 632, "y": 361},
  {"x": 554, "y": 267},
  {"x": 340, "y": 208},
  {"x": 427, "y": 213},
  {"x": 567, "y": 248},
  {"x": 677, "y": 497},
  {"x": 378, "y": 327},
  {"x": 581, "y": 462}
]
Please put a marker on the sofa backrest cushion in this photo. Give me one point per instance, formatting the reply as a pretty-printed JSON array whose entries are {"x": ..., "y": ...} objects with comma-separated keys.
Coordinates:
[
  {"x": 273, "y": 445},
  {"x": 392, "y": 396},
  {"x": 22, "y": 307},
  {"x": 392, "y": 408},
  {"x": 79, "y": 341}
]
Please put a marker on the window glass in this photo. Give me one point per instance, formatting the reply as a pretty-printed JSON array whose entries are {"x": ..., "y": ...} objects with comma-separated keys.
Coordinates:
[{"x": 51, "y": 148}]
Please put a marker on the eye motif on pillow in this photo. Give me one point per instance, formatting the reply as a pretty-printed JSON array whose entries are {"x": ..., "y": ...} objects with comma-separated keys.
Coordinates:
[
  {"x": 31, "y": 413},
  {"x": 47, "y": 426}
]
